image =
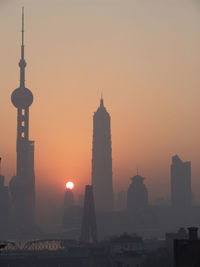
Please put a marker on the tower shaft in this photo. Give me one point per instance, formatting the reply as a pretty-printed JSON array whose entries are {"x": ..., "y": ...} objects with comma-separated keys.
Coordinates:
[{"x": 22, "y": 135}]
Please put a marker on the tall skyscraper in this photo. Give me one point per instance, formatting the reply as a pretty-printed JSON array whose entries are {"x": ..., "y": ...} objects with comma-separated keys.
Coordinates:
[
  {"x": 181, "y": 195},
  {"x": 137, "y": 196},
  {"x": 22, "y": 186},
  {"x": 102, "y": 160}
]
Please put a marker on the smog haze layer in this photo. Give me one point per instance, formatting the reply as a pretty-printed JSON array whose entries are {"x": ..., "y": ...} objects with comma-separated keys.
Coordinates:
[{"x": 142, "y": 55}]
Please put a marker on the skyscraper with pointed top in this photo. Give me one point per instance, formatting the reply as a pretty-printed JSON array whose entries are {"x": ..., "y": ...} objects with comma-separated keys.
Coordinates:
[
  {"x": 102, "y": 160},
  {"x": 22, "y": 186}
]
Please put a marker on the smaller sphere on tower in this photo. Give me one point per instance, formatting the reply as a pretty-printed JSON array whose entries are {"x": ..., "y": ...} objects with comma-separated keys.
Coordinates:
[{"x": 22, "y": 63}]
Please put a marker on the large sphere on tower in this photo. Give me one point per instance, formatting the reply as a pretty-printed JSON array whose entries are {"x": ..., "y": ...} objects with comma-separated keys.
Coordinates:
[{"x": 22, "y": 98}]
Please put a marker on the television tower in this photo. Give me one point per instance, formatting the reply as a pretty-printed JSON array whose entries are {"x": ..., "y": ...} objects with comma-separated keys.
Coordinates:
[{"x": 22, "y": 186}]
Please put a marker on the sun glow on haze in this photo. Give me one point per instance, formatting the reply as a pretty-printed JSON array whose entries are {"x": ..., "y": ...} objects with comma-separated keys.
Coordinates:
[{"x": 69, "y": 185}]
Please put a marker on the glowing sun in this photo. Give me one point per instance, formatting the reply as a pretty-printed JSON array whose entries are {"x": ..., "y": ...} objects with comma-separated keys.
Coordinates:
[{"x": 69, "y": 185}]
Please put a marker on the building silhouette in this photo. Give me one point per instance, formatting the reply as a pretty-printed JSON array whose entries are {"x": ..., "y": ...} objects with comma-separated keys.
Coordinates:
[
  {"x": 102, "y": 160},
  {"x": 4, "y": 203},
  {"x": 22, "y": 186},
  {"x": 137, "y": 195},
  {"x": 68, "y": 199},
  {"x": 89, "y": 227},
  {"x": 186, "y": 251},
  {"x": 181, "y": 194}
]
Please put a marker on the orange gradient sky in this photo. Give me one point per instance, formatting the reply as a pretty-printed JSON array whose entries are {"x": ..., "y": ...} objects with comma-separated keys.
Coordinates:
[{"x": 143, "y": 55}]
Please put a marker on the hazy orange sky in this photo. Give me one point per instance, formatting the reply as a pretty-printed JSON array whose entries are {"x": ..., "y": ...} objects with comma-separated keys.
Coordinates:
[{"x": 143, "y": 55}]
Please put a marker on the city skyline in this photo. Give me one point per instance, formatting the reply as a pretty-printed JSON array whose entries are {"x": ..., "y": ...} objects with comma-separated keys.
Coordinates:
[{"x": 157, "y": 126}]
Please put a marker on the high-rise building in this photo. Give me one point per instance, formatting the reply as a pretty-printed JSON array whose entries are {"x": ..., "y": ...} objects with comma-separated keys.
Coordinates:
[
  {"x": 181, "y": 194},
  {"x": 89, "y": 227},
  {"x": 70, "y": 210},
  {"x": 4, "y": 203},
  {"x": 68, "y": 199},
  {"x": 22, "y": 186},
  {"x": 102, "y": 160},
  {"x": 137, "y": 196}
]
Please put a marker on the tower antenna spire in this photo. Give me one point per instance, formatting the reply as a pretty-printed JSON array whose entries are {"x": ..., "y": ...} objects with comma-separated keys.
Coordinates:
[
  {"x": 101, "y": 101},
  {"x": 137, "y": 172},
  {"x": 22, "y": 25},
  {"x": 22, "y": 51},
  {"x": 22, "y": 63}
]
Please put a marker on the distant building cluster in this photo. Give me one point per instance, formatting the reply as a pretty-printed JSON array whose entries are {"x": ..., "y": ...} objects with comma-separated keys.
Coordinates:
[
  {"x": 99, "y": 207},
  {"x": 131, "y": 209},
  {"x": 94, "y": 220}
]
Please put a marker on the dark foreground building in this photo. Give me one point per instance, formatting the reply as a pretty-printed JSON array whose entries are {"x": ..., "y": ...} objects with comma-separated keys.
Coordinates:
[
  {"x": 187, "y": 251},
  {"x": 102, "y": 160},
  {"x": 120, "y": 251},
  {"x": 55, "y": 253},
  {"x": 75, "y": 257},
  {"x": 22, "y": 186}
]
